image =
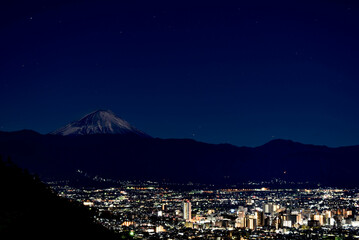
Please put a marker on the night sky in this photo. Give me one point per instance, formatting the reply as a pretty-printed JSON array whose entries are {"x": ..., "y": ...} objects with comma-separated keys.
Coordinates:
[{"x": 241, "y": 72}]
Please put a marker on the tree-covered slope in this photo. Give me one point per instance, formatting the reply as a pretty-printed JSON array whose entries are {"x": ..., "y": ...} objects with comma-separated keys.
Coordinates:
[{"x": 30, "y": 210}]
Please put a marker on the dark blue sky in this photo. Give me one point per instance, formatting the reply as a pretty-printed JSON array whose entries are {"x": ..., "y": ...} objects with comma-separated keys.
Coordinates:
[{"x": 241, "y": 72}]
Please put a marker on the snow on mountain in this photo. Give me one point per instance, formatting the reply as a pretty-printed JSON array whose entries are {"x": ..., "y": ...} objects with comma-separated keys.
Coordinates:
[{"x": 99, "y": 122}]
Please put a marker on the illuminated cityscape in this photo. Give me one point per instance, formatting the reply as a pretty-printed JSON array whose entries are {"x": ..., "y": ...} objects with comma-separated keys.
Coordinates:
[
  {"x": 149, "y": 210},
  {"x": 219, "y": 120}
]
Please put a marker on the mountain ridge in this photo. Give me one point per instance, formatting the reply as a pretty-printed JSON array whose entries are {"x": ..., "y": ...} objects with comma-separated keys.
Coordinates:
[{"x": 180, "y": 160}]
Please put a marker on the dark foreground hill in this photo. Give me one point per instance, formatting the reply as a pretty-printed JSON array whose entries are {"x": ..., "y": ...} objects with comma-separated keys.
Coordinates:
[
  {"x": 183, "y": 160},
  {"x": 30, "y": 210}
]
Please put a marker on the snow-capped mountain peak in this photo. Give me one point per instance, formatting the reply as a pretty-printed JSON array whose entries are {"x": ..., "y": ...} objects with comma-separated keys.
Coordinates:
[{"x": 99, "y": 122}]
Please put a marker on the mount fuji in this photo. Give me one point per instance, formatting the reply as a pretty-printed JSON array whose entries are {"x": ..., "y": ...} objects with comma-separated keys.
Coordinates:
[{"x": 99, "y": 122}]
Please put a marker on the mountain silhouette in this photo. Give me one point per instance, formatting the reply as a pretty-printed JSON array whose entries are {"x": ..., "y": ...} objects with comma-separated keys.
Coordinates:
[{"x": 121, "y": 156}]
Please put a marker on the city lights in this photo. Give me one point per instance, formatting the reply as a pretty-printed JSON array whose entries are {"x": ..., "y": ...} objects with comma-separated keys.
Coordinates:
[{"x": 166, "y": 211}]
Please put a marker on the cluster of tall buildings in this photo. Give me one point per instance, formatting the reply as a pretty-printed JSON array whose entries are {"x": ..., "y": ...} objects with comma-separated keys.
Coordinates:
[{"x": 274, "y": 216}]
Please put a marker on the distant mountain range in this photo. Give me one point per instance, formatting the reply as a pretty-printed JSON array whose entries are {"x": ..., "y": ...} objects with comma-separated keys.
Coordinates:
[{"x": 102, "y": 144}]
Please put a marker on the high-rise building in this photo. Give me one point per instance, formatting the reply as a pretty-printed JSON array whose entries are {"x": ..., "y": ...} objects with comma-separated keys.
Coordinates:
[
  {"x": 251, "y": 222},
  {"x": 241, "y": 211},
  {"x": 260, "y": 218},
  {"x": 267, "y": 208},
  {"x": 240, "y": 222},
  {"x": 277, "y": 223},
  {"x": 241, "y": 219},
  {"x": 270, "y": 208},
  {"x": 187, "y": 210}
]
